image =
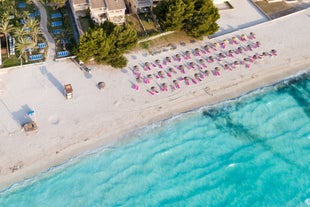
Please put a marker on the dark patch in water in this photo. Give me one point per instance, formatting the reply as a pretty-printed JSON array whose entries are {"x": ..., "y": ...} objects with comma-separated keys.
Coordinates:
[
  {"x": 224, "y": 123},
  {"x": 298, "y": 91}
]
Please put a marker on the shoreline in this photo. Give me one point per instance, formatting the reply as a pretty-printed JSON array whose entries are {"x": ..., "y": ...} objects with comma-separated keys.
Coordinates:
[
  {"x": 51, "y": 148},
  {"x": 90, "y": 151}
]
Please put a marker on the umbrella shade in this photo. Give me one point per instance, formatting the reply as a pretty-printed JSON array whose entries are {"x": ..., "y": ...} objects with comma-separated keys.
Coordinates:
[
  {"x": 101, "y": 85},
  {"x": 139, "y": 80}
]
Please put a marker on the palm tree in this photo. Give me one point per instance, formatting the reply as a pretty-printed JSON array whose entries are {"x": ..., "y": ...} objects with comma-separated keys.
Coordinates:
[
  {"x": 25, "y": 15},
  {"x": 20, "y": 32},
  {"x": 6, "y": 28},
  {"x": 33, "y": 26},
  {"x": 22, "y": 45},
  {"x": 62, "y": 37}
]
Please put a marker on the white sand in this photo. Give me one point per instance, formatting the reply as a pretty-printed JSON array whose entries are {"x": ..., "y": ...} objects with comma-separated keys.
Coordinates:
[{"x": 93, "y": 117}]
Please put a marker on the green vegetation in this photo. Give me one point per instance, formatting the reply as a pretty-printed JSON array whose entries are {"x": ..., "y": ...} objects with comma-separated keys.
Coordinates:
[
  {"x": 196, "y": 17},
  {"x": 106, "y": 44},
  {"x": 145, "y": 45},
  {"x": 21, "y": 23},
  {"x": 56, "y": 4}
]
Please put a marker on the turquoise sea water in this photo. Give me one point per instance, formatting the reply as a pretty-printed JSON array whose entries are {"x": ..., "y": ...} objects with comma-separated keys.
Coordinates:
[{"x": 250, "y": 151}]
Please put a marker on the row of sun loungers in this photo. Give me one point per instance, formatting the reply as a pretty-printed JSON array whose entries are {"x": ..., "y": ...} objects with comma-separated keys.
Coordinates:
[
  {"x": 198, "y": 61},
  {"x": 42, "y": 45},
  {"x": 56, "y": 24},
  {"x": 62, "y": 54},
  {"x": 35, "y": 57},
  {"x": 56, "y": 15},
  {"x": 21, "y": 5},
  {"x": 57, "y": 31}
]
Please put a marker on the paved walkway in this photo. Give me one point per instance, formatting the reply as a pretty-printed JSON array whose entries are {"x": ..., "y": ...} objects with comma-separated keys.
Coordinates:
[{"x": 43, "y": 24}]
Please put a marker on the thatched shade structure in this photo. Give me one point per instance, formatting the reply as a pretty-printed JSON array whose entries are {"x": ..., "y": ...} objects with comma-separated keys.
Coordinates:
[
  {"x": 164, "y": 86},
  {"x": 207, "y": 47},
  {"x": 273, "y": 51},
  {"x": 136, "y": 67},
  {"x": 101, "y": 85},
  {"x": 153, "y": 88},
  {"x": 161, "y": 74},
  {"x": 172, "y": 70},
  {"x": 222, "y": 55},
  {"x": 139, "y": 80}
]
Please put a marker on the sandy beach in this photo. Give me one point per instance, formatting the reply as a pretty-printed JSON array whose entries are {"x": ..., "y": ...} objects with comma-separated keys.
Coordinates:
[{"x": 96, "y": 117}]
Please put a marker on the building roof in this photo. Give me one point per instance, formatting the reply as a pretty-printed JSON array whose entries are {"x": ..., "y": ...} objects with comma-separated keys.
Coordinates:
[
  {"x": 80, "y": 2},
  {"x": 115, "y": 4},
  {"x": 97, "y": 4}
]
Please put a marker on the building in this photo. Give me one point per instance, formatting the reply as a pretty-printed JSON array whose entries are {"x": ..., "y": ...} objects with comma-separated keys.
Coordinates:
[
  {"x": 137, "y": 6},
  {"x": 78, "y": 5},
  {"x": 116, "y": 11},
  {"x": 100, "y": 10}
]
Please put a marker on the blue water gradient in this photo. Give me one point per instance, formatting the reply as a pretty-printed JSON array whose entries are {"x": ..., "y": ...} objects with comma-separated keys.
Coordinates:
[{"x": 250, "y": 151}]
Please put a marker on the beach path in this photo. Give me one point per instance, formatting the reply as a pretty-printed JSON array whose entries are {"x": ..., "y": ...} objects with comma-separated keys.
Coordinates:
[{"x": 48, "y": 37}]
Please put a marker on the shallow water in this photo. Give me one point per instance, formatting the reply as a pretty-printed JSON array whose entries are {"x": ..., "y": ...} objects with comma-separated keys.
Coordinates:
[{"x": 250, "y": 151}]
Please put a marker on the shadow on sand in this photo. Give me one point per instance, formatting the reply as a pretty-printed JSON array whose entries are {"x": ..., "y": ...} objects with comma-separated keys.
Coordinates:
[
  {"x": 52, "y": 79},
  {"x": 21, "y": 116}
]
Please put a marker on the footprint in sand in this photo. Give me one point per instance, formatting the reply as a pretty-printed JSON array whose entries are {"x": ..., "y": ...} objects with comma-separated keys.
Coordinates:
[{"x": 53, "y": 119}]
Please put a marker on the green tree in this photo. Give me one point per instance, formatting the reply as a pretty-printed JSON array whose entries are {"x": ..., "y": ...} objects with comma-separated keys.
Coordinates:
[
  {"x": 106, "y": 44},
  {"x": 62, "y": 38},
  {"x": 203, "y": 19},
  {"x": 170, "y": 14},
  {"x": 34, "y": 29},
  {"x": 124, "y": 37},
  {"x": 20, "y": 32},
  {"x": 56, "y": 4},
  {"x": 93, "y": 44},
  {"x": 196, "y": 17},
  {"x": 6, "y": 28},
  {"x": 21, "y": 46}
]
